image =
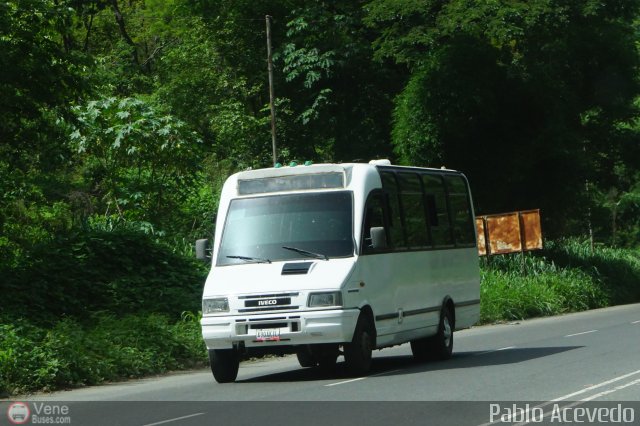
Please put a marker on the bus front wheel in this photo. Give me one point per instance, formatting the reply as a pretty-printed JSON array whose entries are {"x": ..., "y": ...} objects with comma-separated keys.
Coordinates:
[
  {"x": 224, "y": 364},
  {"x": 305, "y": 357},
  {"x": 358, "y": 352}
]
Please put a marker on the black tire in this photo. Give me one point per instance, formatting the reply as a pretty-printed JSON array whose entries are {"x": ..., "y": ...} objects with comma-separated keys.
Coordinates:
[
  {"x": 358, "y": 353},
  {"x": 224, "y": 364},
  {"x": 305, "y": 357},
  {"x": 421, "y": 349},
  {"x": 442, "y": 343}
]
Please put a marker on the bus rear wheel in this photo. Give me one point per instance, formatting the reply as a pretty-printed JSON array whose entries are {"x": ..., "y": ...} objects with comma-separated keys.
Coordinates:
[
  {"x": 442, "y": 343},
  {"x": 439, "y": 346},
  {"x": 224, "y": 364}
]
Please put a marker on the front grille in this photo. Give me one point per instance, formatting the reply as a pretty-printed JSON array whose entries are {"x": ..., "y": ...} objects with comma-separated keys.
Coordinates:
[{"x": 267, "y": 302}]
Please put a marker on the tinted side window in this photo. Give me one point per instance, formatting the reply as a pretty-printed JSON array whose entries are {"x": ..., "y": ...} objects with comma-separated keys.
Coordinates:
[
  {"x": 395, "y": 232},
  {"x": 463, "y": 227},
  {"x": 436, "y": 200},
  {"x": 415, "y": 221}
]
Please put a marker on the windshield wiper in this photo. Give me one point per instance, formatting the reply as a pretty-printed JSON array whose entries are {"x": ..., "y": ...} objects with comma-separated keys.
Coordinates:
[
  {"x": 307, "y": 253},
  {"x": 250, "y": 259}
]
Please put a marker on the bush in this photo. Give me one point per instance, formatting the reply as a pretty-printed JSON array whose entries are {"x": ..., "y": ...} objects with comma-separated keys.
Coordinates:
[
  {"x": 509, "y": 296},
  {"x": 565, "y": 277},
  {"x": 617, "y": 269},
  {"x": 119, "y": 271},
  {"x": 97, "y": 305},
  {"x": 70, "y": 354}
]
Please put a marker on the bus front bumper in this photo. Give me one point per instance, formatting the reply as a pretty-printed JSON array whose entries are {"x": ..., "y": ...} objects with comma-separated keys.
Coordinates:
[{"x": 282, "y": 329}]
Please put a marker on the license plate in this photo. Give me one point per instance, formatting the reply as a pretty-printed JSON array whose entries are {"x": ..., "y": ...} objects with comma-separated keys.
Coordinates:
[{"x": 268, "y": 334}]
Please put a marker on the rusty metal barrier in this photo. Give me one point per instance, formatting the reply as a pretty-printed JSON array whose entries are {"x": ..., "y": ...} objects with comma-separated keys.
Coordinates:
[{"x": 514, "y": 232}]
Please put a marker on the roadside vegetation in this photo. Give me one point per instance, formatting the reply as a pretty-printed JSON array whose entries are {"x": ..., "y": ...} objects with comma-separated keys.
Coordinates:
[
  {"x": 102, "y": 348},
  {"x": 100, "y": 306},
  {"x": 565, "y": 277},
  {"x": 127, "y": 328}
]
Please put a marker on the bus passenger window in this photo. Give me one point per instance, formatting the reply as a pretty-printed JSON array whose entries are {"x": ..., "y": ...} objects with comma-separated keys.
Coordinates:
[
  {"x": 437, "y": 213},
  {"x": 431, "y": 209},
  {"x": 463, "y": 227},
  {"x": 413, "y": 211}
]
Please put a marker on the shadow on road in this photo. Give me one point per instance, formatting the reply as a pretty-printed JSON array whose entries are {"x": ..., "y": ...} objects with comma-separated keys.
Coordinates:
[{"x": 398, "y": 365}]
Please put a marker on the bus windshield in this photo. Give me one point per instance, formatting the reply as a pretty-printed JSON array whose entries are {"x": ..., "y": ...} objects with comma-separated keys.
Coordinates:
[{"x": 283, "y": 227}]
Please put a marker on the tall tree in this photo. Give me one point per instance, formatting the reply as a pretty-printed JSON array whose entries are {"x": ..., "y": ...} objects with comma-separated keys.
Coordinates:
[
  {"x": 525, "y": 96},
  {"x": 339, "y": 98},
  {"x": 38, "y": 82},
  {"x": 333, "y": 100}
]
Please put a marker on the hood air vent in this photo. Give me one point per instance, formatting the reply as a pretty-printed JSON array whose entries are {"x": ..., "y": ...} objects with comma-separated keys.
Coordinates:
[{"x": 296, "y": 268}]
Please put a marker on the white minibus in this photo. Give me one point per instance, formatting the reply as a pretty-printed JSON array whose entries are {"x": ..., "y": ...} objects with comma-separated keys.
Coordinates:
[{"x": 339, "y": 259}]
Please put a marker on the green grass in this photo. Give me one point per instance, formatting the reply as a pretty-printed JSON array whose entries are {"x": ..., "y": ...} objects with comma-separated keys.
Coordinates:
[
  {"x": 509, "y": 295},
  {"x": 617, "y": 269},
  {"x": 33, "y": 358},
  {"x": 566, "y": 277}
]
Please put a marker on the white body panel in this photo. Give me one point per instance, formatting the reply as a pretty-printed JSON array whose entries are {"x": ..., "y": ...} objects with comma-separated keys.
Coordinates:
[
  {"x": 416, "y": 284},
  {"x": 405, "y": 290}
]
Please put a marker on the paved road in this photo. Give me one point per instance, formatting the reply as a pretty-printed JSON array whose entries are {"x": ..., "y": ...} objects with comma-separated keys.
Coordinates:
[{"x": 590, "y": 356}]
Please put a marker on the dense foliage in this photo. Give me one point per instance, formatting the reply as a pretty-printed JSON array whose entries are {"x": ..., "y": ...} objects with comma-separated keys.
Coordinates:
[
  {"x": 534, "y": 100},
  {"x": 121, "y": 120}
]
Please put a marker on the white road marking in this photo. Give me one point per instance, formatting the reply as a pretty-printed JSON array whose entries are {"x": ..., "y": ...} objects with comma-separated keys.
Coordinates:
[
  {"x": 362, "y": 378},
  {"x": 346, "y": 381},
  {"x": 174, "y": 420},
  {"x": 599, "y": 385},
  {"x": 607, "y": 392},
  {"x": 582, "y": 401},
  {"x": 590, "y": 388},
  {"x": 496, "y": 350},
  {"x": 578, "y": 334}
]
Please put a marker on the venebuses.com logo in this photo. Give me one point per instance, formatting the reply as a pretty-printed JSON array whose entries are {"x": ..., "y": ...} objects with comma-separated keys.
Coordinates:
[{"x": 18, "y": 413}]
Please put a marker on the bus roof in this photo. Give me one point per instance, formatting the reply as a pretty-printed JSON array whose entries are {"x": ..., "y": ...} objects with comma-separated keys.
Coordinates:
[{"x": 314, "y": 177}]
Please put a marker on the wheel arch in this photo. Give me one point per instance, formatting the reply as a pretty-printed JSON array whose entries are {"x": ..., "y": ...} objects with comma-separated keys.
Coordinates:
[{"x": 368, "y": 313}]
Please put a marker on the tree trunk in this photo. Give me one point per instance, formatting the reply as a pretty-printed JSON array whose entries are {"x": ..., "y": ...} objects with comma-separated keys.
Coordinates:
[{"x": 123, "y": 31}]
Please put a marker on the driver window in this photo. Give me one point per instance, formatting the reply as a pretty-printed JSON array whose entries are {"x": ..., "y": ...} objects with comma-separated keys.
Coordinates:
[{"x": 373, "y": 217}]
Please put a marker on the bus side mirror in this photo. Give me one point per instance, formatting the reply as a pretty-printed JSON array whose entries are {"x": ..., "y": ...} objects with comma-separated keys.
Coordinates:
[
  {"x": 378, "y": 237},
  {"x": 202, "y": 249}
]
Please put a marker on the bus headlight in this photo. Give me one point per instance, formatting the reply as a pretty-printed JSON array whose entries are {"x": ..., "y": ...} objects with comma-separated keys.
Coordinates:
[
  {"x": 215, "y": 306},
  {"x": 333, "y": 298}
]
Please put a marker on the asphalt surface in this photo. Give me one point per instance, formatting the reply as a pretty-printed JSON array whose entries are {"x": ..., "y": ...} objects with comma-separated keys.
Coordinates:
[{"x": 589, "y": 359}]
